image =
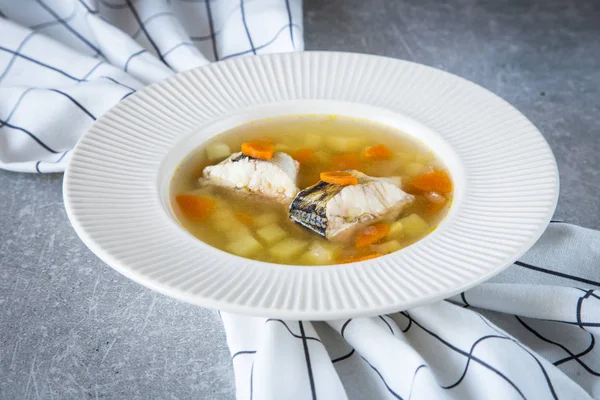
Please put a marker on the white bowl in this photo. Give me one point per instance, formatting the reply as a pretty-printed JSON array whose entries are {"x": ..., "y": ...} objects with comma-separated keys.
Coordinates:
[{"x": 505, "y": 176}]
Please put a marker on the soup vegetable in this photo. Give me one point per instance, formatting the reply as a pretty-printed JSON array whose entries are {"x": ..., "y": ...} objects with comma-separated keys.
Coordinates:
[{"x": 311, "y": 190}]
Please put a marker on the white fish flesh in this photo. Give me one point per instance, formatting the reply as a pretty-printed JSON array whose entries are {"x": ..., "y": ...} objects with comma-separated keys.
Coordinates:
[
  {"x": 274, "y": 178},
  {"x": 335, "y": 211}
]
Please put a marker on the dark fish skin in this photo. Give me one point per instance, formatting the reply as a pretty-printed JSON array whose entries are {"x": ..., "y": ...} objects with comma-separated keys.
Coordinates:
[
  {"x": 242, "y": 157},
  {"x": 309, "y": 207}
]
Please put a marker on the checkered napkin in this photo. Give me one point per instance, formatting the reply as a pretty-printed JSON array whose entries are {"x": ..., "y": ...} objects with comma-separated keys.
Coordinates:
[
  {"x": 63, "y": 63},
  {"x": 530, "y": 333}
]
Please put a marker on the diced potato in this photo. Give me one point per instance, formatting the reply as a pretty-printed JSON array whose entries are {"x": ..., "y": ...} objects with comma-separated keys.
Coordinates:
[
  {"x": 396, "y": 230},
  {"x": 282, "y": 148},
  {"x": 271, "y": 234},
  {"x": 387, "y": 247},
  {"x": 288, "y": 248},
  {"x": 413, "y": 225},
  {"x": 406, "y": 157},
  {"x": 234, "y": 234},
  {"x": 424, "y": 157},
  {"x": 413, "y": 169},
  {"x": 322, "y": 157},
  {"x": 381, "y": 168},
  {"x": 266, "y": 219},
  {"x": 319, "y": 254},
  {"x": 224, "y": 220},
  {"x": 289, "y": 138},
  {"x": 245, "y": 246},
  {"x": 217, "y": 151},
  {"x": 341, "y": 144},
  {"x": 312, "y": 141}
]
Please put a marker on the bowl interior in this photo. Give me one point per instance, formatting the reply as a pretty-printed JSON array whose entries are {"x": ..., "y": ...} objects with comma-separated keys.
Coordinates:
[{"x": 400, "y": 122}]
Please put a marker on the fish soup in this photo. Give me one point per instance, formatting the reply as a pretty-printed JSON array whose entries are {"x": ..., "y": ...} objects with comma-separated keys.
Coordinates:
[{"x": 311, "y": 190}]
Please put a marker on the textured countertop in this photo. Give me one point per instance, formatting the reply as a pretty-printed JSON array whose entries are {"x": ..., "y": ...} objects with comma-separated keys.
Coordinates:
[{"x": 71, "y": 327}]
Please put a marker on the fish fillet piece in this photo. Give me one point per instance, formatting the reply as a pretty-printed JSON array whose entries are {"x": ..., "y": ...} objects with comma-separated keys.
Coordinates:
[
  {"x": 274, "y": 178},
  {"x": 336, "y": 212}
]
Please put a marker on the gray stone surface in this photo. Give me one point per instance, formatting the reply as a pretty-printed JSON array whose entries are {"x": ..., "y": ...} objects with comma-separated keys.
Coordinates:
[{"x": 71, "y": 327}]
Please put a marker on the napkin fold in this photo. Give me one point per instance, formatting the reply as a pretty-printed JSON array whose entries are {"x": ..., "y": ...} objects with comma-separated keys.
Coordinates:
[
  {"x": 530, "y": 333},
  {"x": 63, "y": 63}
]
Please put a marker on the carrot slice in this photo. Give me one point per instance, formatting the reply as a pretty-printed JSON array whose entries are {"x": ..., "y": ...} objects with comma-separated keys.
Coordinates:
[
  {"x": 258, "y": 149},
  {"x": 361, "y": 258},
  {"x": 339, "y": 178},
  {"x": 345, "y": 161},
  {"x": 303, "y": 156},
  {"x": 371, "y": 234},
  {"x": 435, "y": 202},
  {"x": 433, "y": 208},
  {"x": 195, "y": 207},
  {"x": 244, "y": 218},
  {"x": 378, "y": 152},
  {"x": 436, "y": 181}
]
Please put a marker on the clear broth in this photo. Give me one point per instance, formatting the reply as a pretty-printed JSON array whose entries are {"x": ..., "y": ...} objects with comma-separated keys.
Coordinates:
[{"x": 243, "y": 218}]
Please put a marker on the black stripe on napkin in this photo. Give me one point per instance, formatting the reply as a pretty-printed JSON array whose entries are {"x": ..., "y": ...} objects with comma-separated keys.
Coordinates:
[
  {"x": 555, "y": 273},
  {"x": 591, "y": 293},
  {"x": 412, "y": 384},
  {"x": 33, "y": 60},
  {"x": 166, "y": 53},
  {"x": 289, "y": 12},
  {"x": 574, "y": 357},
  {"x": 470, "y": 356},
  {"x": 396, "y": 395},
  {"x": 246, "y": 27},
  {"x": 113, "y": 80},
  {"x": 212, "y": 30},
  {"x": 344, "y": 327},
  {"x": 68, "y": 27},
  {"x": 548, "y": 381},
  {"x": 78, "y": 104},
  {"x": 44, "y": 145},
  {"x": 90, "y": 10},
  {"x": 578, "y": 355},
  {"x": 16, "y": 54},
  {"x": 251, "y": 378},
  {"x": 342, "y": 358},
  {"x": 308, "y": 365},
  {"x": 150, "y": 19},
  {"x": 92, "y": 70},
  {"x": 464, "y": 299},
  {"x": 127, "y": 95},
  {"x": 474, "y": 358},
  {"x": 242, "y": 352},
  {"x": 143, "y": 28},
  {"x": 137, "y": 53},
  {"x": 37, "y": 164},
  {"x": 262, "y": 46},
  {"x": 16, "y": 105},
  {"x": 579, "y": 304},
  {"x": 292, "y": 333},
  {"x": 388, "y": 325},
  {"x": 113, "y": 6},
  {"x": 407, "y": 315}
]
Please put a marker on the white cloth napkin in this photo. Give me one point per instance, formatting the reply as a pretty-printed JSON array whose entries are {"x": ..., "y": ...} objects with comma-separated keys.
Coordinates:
[
  {"x": 528, "y": 334},
  {"x": 63, "y": 63}
]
